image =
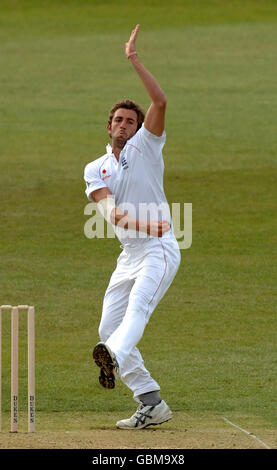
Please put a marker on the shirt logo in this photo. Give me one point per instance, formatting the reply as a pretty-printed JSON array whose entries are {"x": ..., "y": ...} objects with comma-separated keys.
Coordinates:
[
  {"x": 104, "y": 174},
  {"x": 124, "y": 163}
]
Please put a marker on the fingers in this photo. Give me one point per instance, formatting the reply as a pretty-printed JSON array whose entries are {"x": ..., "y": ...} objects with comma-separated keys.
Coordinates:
[
  {"x": 130, "y": 46},
  {"x": 158, "y": 228},
  {"x": 165, "y": 225},
  {"x": 135, "y": 32},
  {"x": 165, "y": 228}
]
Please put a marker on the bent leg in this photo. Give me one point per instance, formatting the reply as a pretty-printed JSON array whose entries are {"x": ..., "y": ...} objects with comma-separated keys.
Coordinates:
[
  {"x": 159, "y": 268},
  {"x": 114, "y": 305},
  {"x": 116, "y": 299}
]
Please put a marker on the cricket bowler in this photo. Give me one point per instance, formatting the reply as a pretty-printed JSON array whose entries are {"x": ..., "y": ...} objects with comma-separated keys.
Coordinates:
[{"x": 125, "y": 180}]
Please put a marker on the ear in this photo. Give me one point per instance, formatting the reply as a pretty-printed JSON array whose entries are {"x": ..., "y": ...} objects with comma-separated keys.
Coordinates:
[{"x": 109, "y": 129}]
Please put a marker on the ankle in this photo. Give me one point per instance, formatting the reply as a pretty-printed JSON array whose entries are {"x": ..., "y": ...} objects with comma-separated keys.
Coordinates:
[{"x": 150, "y": 398}]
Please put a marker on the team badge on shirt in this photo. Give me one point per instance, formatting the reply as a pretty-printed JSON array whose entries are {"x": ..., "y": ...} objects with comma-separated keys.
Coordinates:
[{"x": 124, "y": 163}]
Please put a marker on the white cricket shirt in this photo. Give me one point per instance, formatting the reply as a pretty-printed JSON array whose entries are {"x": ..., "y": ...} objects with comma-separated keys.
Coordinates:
[{"x": 135, "y": 180}]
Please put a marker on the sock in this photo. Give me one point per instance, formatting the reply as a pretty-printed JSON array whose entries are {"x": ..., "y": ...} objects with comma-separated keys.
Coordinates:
[{"x": 150, "y": 398}]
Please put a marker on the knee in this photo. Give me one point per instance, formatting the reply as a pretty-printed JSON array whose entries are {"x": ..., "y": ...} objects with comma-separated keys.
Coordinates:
[
  {"x": 103, "y": 332},
  {"x": 106, "y": 328},
  {"x": 138, "y": 303}
]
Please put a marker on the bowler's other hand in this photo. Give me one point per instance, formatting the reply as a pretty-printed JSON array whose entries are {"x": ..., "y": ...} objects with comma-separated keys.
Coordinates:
[
  {"x": 157, "y": 228},
  {"x": 130, "y": 46}
]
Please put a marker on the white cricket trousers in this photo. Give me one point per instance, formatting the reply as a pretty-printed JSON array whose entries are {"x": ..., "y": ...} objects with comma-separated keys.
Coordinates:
[{"x": 143, "y": 274}]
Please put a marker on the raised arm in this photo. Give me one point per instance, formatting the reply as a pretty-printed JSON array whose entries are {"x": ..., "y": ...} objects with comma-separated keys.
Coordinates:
[{"x": 155, "y": 116}]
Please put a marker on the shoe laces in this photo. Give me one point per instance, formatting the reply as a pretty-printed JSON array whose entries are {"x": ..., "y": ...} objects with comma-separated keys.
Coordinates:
[{"x": 141, "y": 416}]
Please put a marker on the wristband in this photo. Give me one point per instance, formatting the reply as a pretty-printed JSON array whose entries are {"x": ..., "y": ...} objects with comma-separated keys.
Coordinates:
[
  {"x": 132, "y": 53},
  {"x": 105, "y": 207}
]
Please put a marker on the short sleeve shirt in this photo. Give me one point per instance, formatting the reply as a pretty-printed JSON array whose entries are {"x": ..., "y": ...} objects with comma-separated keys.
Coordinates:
[{"x": 136, "y": 179}]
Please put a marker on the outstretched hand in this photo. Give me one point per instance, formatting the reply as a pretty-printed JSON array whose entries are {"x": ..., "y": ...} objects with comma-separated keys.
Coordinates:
[{"x": 130, "y": 46}]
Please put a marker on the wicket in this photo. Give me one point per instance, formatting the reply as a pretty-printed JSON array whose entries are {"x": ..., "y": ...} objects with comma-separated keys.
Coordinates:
[{"x": 14, "y": 365}]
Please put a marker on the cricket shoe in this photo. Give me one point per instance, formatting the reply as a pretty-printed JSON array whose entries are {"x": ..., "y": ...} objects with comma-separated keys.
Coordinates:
[
  {"x": 147, "y": 415},
  {"x": 106, "y": 360}
]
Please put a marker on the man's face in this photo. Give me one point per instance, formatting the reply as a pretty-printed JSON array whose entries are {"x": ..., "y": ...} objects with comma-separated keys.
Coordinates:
[{"x": 124, "y": 125}]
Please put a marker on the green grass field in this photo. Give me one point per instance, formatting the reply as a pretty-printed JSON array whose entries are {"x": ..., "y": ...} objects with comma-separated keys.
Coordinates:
[{"x": 211, "y": 343}]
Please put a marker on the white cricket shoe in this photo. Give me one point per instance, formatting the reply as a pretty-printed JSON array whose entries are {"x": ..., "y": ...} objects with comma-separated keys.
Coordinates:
[{"x": 147, "y": 416}]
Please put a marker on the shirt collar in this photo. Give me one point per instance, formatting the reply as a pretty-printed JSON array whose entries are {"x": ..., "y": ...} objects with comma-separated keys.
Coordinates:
[{"x": 109, "y": 149}]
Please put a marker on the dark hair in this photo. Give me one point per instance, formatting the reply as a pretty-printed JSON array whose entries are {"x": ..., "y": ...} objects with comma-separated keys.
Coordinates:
[{"x": 128, "y": 104}]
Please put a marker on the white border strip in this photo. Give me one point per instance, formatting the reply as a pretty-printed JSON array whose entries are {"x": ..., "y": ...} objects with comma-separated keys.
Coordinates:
[{"x": 247, "y": 432}]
